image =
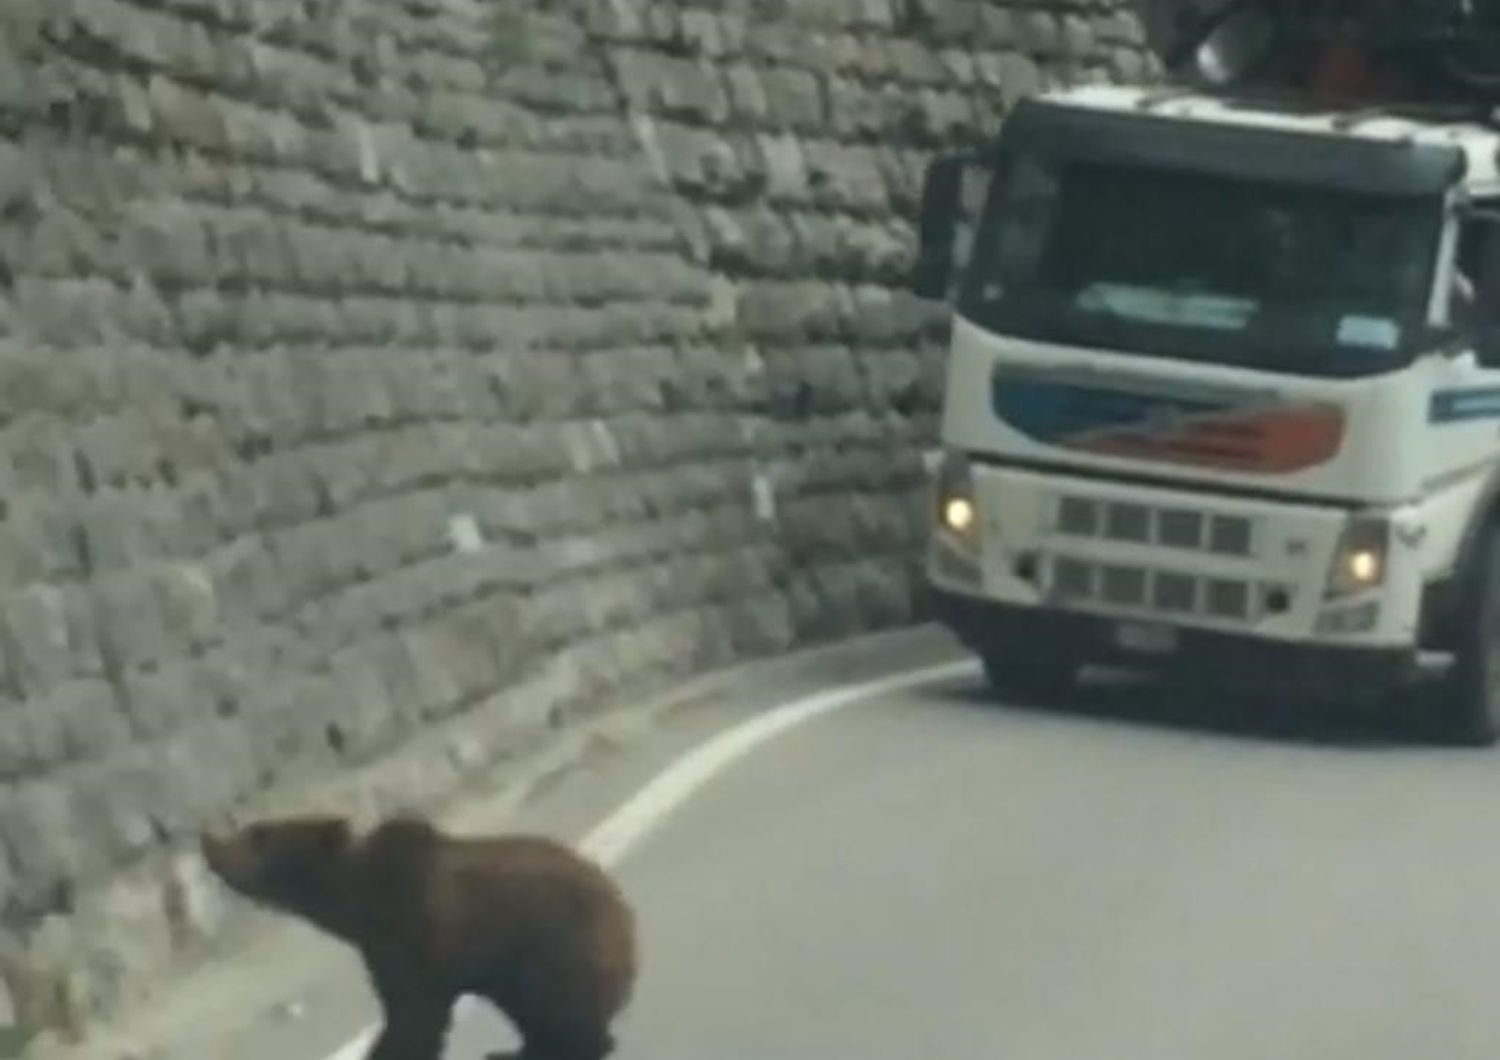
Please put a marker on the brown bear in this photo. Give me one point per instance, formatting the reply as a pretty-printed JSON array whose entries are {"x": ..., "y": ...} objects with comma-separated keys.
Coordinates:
[{"x": 523, "y": 921}]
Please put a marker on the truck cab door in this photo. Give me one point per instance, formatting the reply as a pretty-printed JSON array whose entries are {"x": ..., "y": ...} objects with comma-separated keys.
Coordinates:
[
  {"x": 1463, "y": 408},
  {"x": 1474, "y": 293},
  {"x": 1473, "y": 290}
]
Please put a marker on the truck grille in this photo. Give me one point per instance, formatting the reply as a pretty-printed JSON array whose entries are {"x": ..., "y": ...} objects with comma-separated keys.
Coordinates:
[
  {"x": 1182, "y": 529},
  {"x": 1165, "y": 592}
]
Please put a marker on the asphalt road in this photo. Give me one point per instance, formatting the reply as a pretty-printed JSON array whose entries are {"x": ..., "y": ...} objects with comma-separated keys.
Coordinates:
[{"x": 933, "y": 876}]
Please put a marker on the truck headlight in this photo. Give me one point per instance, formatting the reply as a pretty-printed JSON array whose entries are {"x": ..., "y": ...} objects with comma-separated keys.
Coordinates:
[
  {"x": 1359, "y": 561},
  {"x": 957, "y": 510},
  {"x": 958, "y": 516}
]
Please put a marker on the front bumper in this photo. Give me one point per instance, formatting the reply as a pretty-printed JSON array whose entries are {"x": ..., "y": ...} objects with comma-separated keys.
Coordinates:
[{"x": 1344, "y": 673}]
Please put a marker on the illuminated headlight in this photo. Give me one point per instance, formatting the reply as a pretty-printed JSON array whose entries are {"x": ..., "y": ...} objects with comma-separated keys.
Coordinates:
[
  {"x": 1359, "y": 562},
  {"x": 957, "y": 510},
  {"x": 958, "y": 515}
]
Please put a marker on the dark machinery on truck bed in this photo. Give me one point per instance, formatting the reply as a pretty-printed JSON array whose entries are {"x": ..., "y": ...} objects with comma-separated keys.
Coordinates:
[{"x": 1378, "y": 53}]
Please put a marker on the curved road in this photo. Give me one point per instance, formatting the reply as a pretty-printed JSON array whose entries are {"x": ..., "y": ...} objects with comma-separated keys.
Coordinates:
[{"x": 935, "y": 876}]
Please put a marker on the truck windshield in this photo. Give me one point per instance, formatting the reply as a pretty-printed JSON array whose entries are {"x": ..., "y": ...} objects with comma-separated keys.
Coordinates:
[{"x": 1279, "y": 277}]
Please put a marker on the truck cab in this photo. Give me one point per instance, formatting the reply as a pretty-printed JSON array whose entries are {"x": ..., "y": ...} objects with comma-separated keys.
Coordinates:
[{"x": 1223, "y": 397}]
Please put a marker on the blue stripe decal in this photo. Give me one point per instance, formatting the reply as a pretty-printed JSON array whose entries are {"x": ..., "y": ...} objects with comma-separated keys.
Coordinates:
[
  {"x": 1468, "y": 403},
  {"x": 1050, "y": 412}
]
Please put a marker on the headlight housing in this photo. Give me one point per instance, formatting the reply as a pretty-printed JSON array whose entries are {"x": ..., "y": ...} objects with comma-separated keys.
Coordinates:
[
  {"x": 1359, "y": 561},
  {"x": 955, "y": 507}
]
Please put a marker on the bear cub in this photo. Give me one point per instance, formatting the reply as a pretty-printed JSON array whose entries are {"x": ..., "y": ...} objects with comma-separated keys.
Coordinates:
[{"x": 524, "y": 921}]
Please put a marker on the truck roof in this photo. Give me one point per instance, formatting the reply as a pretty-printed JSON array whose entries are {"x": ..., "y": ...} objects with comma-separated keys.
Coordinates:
[{"x": 1480, "y": 142}]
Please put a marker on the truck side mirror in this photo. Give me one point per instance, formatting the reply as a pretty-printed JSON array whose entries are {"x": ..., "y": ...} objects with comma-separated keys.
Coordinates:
[{"x": 937, "y": 226}]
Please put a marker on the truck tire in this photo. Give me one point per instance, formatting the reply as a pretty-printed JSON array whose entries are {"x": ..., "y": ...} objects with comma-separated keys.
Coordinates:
[
  {"x": 1469, "y": 701},
  {"x": 1036, "y": 677}
]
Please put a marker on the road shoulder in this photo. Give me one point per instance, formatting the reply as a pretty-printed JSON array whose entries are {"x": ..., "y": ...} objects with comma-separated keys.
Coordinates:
[{"x": 293, "y": 993}]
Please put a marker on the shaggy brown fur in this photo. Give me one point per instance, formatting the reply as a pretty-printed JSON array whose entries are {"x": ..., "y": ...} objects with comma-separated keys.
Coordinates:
[{"x": 521, "y": 920}]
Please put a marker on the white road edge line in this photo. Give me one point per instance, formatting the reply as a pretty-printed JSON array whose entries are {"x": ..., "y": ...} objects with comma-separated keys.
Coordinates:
[{"x": 623, "y": 830}]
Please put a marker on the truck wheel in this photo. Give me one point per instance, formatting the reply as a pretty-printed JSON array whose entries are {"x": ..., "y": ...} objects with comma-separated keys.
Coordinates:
[
  {"x": 1038, "y": 677},
  {"x": 1470, "y": 693}
]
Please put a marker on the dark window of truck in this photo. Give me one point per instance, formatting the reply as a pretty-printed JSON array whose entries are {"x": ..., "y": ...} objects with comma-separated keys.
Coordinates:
[
  {"x": 1474, "y": 300},
  {"x": 1282, "y": 277}
]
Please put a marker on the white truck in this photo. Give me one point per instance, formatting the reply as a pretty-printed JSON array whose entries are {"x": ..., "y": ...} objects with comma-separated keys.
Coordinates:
[{"x": 1223, "y": 397}]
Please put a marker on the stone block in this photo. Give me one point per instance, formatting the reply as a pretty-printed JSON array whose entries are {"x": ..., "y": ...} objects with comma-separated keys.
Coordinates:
[
  {"x": 30, "y": 382},
  {"x": 21, "y": 84},
  {"x": 345, "y": 472},
  {"x": 118, "y": 806},
  {"x": 389, "y": 654},
  {"x": 776, "y": 40},
  {"x": 19, "y": 755},
  {"x": 882, "y": 593},
  {"x": 1133, "y": 66},
  {"x": 1080, "y": 37},
  {"x": 113, "y": 526},
  {"x": 64, "y": 243},
  {"x": 914, "y": 65},
  {"x": 46, "y": 847},
  {"x": 213, "y": 767},
  {"x": 368, "y": 717},
  {"x": 747, "y": 92},
  {"x": 36, "y": 631},
  {"x": 131, "y": 630},
  {"x": 849, "y": 179},
  {"x": 205, "y": 320},
  {"x": 555, "y": 615},
  {"x": 1020, "y": 76},
  {"x": 289, "y": 491},
  {"x": 284, "y": 718},
  {"x": 759, "y": 625},
  {"x": 433, "y": 691},
  {"x": 247, "y": 582},
  {"x": 10, "y": 1016},
  {"x": 191, "y": 521},
  {"x": 79, "y": 721},
  {"x": 307, "y": 559},
  {"x": 185, "y": 114},
  {"x": 161, "y": 701},
  {"x": 115, "y": 452},
  {"x": 699, "y": 93},
  {"x": 614, "y": 22},
  {"x": 787, "y": 311},
  {"x": 1121, "y": 26},
  {"x": 59, "y": 313},
  {"x": 36, "y": 446},
  {"x": 188, "y": 603},
  {"x": 794, "y": 99},
  {"x": 169, "y": 240},
  {"x": 785, "y": 164},
  {"x": 469, "y": 646},
  {"x": 815, "y": 615}
]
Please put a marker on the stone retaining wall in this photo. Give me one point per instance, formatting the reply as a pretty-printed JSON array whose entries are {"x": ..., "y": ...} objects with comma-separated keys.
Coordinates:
[{"x": 369, "y": 365}]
